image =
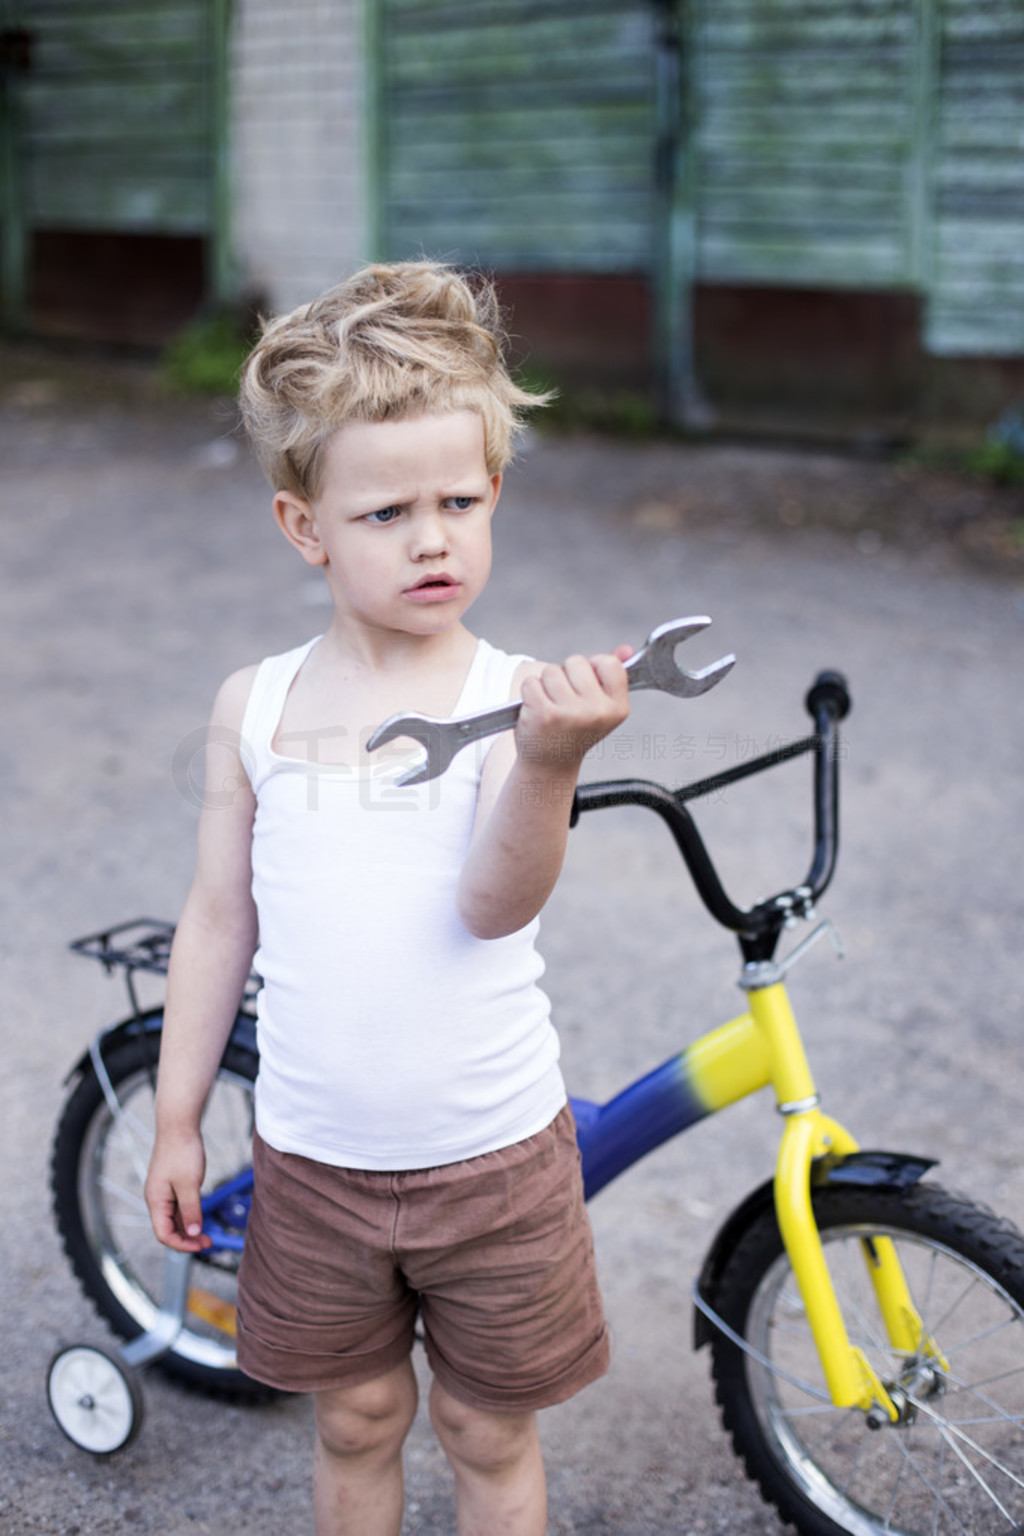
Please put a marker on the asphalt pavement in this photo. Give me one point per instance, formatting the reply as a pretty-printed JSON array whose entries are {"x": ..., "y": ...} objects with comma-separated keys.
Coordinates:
[{"x": 139, "y": 564}]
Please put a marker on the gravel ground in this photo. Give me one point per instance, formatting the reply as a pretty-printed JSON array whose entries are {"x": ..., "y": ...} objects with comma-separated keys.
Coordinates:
[{"x": 139, "y": 564}]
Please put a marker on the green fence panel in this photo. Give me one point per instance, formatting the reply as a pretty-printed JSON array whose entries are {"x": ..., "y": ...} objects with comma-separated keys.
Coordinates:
[
  {"x": 118, "y": 115},
  {"x": 805, "y": 130},
  {"x": 518, "y": 135},
  {"x": 976, "y": 297}
]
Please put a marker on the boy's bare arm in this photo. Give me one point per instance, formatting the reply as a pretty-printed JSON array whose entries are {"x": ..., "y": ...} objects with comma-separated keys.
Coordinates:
[
  {"x": 527, "y": 790},
  {"x": 213, "y": 948}
]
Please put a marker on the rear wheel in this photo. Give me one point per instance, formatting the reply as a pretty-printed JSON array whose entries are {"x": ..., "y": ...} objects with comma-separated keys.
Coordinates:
[
  {"x": 98, "y": 1170},
  {"x": 954, "y": 1464}
]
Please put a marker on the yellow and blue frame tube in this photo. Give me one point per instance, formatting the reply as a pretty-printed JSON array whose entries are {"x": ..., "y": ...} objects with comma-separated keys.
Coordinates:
[{"x": 719, "y": 1069}]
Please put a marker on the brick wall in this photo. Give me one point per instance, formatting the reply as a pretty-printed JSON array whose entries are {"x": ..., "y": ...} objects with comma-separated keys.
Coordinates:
[{"x": 297, "y": 146}]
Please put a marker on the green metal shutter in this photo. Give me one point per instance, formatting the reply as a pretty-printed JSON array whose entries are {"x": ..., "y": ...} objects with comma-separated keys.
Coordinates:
[
  {"x": 118, "y": 115},
  {"x": 977, "y": 282},
  {"x": 518, "y": 135},
  {"x": 805, "y": 142}
]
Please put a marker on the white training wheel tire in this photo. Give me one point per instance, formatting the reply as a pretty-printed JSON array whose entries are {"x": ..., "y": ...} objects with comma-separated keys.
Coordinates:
[{"x": 94, "y": 1398}]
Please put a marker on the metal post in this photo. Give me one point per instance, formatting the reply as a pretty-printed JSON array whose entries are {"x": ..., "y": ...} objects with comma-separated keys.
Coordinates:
[
  {"x": 920, "y": 199},
  {"x": 675, "y": 256},
  {"x": 222, "y": 281},
  {"x": 374, "y": 148},
  {"x": 15, "y": 59}
]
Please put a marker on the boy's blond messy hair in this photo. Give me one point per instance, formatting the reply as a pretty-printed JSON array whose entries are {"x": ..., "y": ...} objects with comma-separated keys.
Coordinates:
[{"x": 408, "y": 339}]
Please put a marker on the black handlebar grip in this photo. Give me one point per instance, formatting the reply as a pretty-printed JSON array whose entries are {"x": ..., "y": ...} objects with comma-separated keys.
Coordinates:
[{"x": 830, "y": 692}]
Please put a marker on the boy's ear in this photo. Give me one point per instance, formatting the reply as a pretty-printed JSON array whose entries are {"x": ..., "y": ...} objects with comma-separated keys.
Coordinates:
[
  {"x": 297, "y": 522},
  {"x": 495, "y": 489}
]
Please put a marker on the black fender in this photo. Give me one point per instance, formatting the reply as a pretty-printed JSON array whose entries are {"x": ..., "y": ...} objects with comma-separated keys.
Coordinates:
[
  {"x": 148, "y": 1026},
  {"x": 868, "y": 1170}
]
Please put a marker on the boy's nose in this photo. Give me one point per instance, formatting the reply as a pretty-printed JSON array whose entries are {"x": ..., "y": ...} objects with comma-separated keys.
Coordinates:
[{"x": 429, "y": 536}]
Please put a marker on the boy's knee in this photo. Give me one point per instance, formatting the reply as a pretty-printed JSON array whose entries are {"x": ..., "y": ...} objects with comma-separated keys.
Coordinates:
[
  {"x": 489, "y": 1442},
  {"x": 371, "y": 1418}
]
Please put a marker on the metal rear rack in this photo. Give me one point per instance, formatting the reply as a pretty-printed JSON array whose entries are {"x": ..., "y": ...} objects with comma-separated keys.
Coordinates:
[{"x": 141, "y": 944}]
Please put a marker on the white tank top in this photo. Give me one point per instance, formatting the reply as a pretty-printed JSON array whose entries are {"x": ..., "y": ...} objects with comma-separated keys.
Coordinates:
[{"x": 389, "y": 1036}]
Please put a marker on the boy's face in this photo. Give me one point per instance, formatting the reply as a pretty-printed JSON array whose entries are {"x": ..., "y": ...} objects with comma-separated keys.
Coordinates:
[{"x": 402, "y": 524}]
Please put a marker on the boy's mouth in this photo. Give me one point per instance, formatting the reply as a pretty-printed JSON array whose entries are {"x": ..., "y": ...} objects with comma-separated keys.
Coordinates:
[{"x": 438, "y": 586}]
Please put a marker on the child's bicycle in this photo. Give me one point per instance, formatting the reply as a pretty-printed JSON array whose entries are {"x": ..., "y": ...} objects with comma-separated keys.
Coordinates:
[{"x": 865, "y": 1328}]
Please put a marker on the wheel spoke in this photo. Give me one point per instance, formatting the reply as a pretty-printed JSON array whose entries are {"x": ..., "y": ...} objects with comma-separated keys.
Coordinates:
[
  {"x": 894, "y": 1495},
  {"x": 940, "y": 1504},
  {"x": 956, "y": 1442},
  {"x": 988, "y": 1381},
  {"x": 813, "y": 1410},
  {"x": 997, "y": 1416},
  {"x": 937, "y": 1327},
  {"x": 128, "y": 1198},
  {"x": 135, "y": 1139},
  {"x": 957, "y": 1439},
  {"x": 951, "y": 1351},
  {"x": 862, "y": 1451}
]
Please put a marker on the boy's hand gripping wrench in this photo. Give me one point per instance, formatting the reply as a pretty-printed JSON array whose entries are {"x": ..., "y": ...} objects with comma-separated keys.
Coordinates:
[{"x": 654, "y": 666}]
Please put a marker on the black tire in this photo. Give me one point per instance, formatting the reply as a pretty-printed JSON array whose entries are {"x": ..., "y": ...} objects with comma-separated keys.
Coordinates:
[
  {"x": 955, "y": 1465},
  {"x": 97, "y": 1174}
]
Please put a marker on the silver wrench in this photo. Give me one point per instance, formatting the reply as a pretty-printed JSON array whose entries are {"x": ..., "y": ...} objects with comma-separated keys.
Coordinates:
[{"x": 654, "y": 666}]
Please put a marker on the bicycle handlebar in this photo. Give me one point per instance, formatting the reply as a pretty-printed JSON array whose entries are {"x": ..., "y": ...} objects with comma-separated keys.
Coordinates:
[{"x": 758, "y": 928}]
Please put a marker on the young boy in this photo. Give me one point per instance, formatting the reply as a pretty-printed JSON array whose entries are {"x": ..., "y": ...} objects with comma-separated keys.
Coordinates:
[{"x": 414, "y": 1152}]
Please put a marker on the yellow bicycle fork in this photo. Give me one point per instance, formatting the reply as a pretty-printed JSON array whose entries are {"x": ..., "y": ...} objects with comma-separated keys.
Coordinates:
[{"x": 763, "y": 1047}]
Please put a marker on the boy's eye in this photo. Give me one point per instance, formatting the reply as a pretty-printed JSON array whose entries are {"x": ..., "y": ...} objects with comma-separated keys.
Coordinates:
[
  {"x": 383, "y": 515},
  {"x": 461, "y": 503}
]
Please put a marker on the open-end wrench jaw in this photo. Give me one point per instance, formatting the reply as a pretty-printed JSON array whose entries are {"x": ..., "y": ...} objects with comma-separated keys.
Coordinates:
[
  {"x": 422, "y": 728},
  {"x": 655, "y": 665},
  {"x": 442, "y": 738}
]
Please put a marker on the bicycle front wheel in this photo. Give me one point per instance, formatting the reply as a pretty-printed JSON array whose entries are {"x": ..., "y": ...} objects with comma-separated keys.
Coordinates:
[
  {"x": 98, "y": 1170},
  {"x": 954, "y": 1464}
]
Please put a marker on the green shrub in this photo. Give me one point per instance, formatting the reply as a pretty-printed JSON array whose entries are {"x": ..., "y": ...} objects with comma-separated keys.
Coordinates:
[
  {"x": 206, "y": 358},
  {"x": 613, "y": 412},
  {"x": 998, "y": 462}
]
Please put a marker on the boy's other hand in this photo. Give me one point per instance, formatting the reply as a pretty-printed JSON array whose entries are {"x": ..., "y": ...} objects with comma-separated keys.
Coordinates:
[
  {"x": 568, "y": 709},
  {"x": 175, "y": 1176}
]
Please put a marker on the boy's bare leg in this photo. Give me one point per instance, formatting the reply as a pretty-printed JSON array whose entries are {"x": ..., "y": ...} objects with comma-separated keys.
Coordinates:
[
  {"x": 500, "y": 1488},
  {"x": 357, "y": 1471}
]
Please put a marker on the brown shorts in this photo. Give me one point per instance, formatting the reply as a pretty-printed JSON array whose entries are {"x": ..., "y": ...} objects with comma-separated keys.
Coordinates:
[{"x": 494, "y": 1254}]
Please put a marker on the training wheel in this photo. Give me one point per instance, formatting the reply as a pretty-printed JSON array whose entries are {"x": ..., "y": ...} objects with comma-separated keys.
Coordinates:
[{"x": 94, "y": 1398}]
